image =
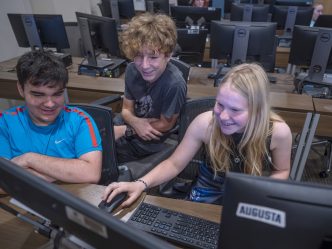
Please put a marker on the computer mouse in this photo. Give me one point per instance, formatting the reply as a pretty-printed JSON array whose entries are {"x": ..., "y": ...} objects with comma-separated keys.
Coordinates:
[{"x": 113, "y": 204}]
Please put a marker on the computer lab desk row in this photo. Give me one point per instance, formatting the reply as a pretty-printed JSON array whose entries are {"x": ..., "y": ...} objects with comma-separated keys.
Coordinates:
[
  {"x": 83, "y": 88},
  {"x": 16, "y": 234}
]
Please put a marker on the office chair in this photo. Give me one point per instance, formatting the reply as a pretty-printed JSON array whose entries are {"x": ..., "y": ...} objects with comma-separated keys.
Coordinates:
[
  {"x": 182, "y": 66},
  {"x": 139, "y": 168},
  {"x": 192, "y": 43},
  {"x": 102, "y": 116},
  {"x": 178, "y": 188}
]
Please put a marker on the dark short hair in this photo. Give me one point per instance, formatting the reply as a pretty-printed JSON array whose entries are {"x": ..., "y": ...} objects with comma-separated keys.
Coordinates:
[{"x": 41, "y": 68}]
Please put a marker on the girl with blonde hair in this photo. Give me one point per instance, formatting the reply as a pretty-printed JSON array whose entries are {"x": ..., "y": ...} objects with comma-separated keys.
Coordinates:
[{"x": 240, "y": 134}]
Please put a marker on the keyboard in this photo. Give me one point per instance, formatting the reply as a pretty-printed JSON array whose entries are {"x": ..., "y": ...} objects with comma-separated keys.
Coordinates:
[{"x": 176, "y": 227}]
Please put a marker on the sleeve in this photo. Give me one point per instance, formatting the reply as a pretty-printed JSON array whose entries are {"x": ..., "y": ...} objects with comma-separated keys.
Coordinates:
[
  {"x": 174, "y": 99},
  {"x": 129, "y": 78},
  {"x": 87, "y": 137},
  {"x": 5, "y": 150}
]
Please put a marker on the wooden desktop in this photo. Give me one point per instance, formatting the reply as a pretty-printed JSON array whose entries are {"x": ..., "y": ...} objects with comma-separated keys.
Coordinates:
[{"x": 324, "y": 108}]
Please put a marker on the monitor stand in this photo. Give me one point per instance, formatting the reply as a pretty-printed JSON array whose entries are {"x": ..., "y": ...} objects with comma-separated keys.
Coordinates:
[
  {"x": 222, "y": 70},
  {"x": 317, "y": 76}
]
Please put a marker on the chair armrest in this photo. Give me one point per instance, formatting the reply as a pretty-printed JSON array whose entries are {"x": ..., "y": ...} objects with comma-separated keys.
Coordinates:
[{"x": 107, "y": 100}]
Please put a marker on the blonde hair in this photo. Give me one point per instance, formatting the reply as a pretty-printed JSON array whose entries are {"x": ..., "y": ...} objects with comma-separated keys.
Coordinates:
[
  {"x": 251, "y": 81},
  {"x": 156, "y": 32}
]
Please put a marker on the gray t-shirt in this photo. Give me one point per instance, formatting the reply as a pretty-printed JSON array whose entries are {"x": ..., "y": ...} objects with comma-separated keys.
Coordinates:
[{"x": 165, "y": 96}]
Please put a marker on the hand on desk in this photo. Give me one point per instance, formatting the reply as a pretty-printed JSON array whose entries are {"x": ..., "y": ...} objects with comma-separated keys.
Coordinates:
[{"x": 133, "y": 189}]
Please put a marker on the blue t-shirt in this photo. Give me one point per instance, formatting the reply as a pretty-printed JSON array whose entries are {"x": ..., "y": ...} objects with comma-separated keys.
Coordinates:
[{"x": 72, "y": 134}]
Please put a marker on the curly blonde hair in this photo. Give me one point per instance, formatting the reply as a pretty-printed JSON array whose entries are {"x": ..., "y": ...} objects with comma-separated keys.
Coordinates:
[
  {"x": 251, "y": 81},
  {"x": 156, "y": 32}
]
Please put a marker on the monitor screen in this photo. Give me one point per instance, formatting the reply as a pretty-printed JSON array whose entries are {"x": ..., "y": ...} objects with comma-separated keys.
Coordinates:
[
  {"x": 77, "y": 217},
  {"x": 157, "y": 6},
  {"x": 190, "y": 16},
  {"x": 239, "y": 42},
  {"x": 42, "y": 31},
  {"x": 286, "y": 17},
  {"x": 260, "y": 212},
  {"x": 98, "y": 33},
  {"x": 250, "y": 12},
  {"x": 313, "y": 49}
]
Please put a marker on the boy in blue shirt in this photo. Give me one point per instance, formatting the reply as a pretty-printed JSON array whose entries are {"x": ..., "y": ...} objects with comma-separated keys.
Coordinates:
[{"x": 46, "y": 137}]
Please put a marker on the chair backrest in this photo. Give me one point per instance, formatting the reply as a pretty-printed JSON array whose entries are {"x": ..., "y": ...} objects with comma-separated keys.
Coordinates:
[
  {"x": 191, "y": 109},
  {"x": 102, "y": 116},
  {"x": 182, "y": 66}
]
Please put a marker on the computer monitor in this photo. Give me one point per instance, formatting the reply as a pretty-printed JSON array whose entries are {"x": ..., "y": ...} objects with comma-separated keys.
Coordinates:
[
  {"x": 98, "y": 34},
  {"x": 192, "y": 43},
  {"x": 324, "y": 21},
  {"x": 238, "y": 42},
  {"x": 77, "y": 217},
  {"x": 311, "y": 46},
  {"x": 118, "y": 9},
  {"x": 293, "y": 2},
  {"x": 228, "y": 3},
  {"x": 288, "y": 16},
  {"x": 157, "y": 6},
  {"x": 185, "y": 16},
  {"x": 250, "y": 12},
  {"x": 39, "y": 31},
  {"x": 261, "y": 212}
]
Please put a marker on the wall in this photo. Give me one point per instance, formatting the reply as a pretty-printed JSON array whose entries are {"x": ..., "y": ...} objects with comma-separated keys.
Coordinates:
[
  {"x": 327, "y": 6},
  {"x": 66, "y": 8},
  {"x": 8, "y": 44}
]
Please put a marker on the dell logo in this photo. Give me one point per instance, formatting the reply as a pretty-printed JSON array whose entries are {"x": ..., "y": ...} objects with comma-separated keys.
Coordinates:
[{"x": 325, "y": 37}]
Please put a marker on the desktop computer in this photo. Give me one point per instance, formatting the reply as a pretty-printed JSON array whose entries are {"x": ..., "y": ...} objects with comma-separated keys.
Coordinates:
[
  {"x": 315, "y": 88},
  {"x": 110, "y": 68},
  {"x": 65, "y": 58}
]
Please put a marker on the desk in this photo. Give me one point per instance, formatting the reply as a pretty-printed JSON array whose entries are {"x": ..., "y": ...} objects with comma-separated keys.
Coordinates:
[
  {"x": 84, "y": 89},
  {"x": 15, "y": 234},
  {"x": 324, "y": 108}
]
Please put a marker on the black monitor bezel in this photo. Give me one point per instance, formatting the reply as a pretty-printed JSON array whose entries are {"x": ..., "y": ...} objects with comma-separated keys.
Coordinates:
[
  {"x": 260, "y": 12},
  {"x": 279, "y": 15},
  {"x": 303, "y": 52},
  {"x": 75, "y": 216},
  {"x": 217, "y": 51},
  {"x": 113, "y": 47},
  {"x": 303, "y": 203}
]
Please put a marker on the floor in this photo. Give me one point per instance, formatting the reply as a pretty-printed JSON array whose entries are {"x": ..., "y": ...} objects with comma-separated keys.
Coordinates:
[{"x": 315, "y": 164}]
